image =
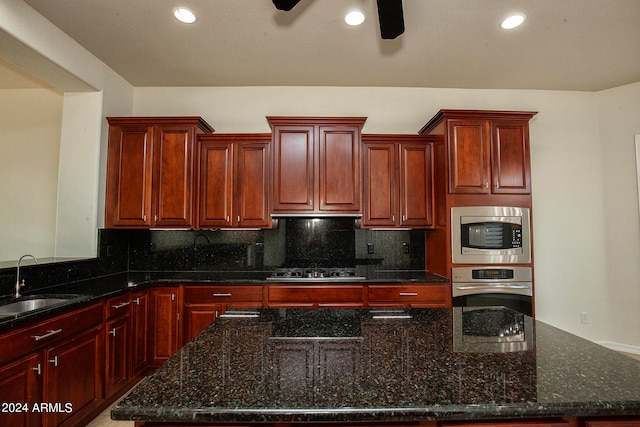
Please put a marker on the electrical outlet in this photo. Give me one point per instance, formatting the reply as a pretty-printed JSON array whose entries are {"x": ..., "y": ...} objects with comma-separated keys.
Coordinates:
[
  {"x": 584, "y": 317},
  {"x": 371, "y": 249}
]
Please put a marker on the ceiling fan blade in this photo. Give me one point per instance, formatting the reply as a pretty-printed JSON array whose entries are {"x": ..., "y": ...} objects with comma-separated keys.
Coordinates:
[
  {"x": 391, "y": 18},
  {"x": 285, "y": 4}
]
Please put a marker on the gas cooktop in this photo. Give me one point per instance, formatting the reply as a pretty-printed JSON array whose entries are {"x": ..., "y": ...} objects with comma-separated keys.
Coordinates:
[{"x": 315, "y": 274}]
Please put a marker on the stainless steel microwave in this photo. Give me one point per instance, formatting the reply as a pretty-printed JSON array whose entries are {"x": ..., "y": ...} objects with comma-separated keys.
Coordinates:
[{"x": 490, "y": 235}]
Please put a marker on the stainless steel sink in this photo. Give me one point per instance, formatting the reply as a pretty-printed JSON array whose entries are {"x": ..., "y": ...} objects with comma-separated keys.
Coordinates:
[{"x": 32, "y": 303}]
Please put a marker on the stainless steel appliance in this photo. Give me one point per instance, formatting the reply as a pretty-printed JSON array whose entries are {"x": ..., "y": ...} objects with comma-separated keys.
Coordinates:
[
  {"x": 490, "y": 235},
  {"x": 507, "y": 286},
  {"x": 491, "y": 329},
  {"x": 315, "y": 274}
]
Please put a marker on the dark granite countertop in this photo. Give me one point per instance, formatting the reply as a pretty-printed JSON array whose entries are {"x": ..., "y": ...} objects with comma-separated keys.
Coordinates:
[
  {"x": 368, "y": 365},
  {"x": 85, "y": 291}
]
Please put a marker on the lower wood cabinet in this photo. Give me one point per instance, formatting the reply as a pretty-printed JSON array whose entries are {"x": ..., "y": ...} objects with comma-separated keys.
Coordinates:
[
  {"x": 73, "y": 377},
  {"x": 409, "y": 296},
  {"x": 203, "y": 304},
  {"x": 139, "y": 322},
  {"x": 55, "y": 368},
  {"x": 20, "y": 385},
  {"x": 163, "y": 324},
  {"x": 325, "y": 296}
]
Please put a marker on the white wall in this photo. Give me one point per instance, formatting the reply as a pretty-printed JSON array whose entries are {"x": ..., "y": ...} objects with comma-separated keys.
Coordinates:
[
  {"x": 568, "y": 174},
  {"x": 30, "y": 122},
  {"x": 620, "y": 121},
  {"x": 92, "y": 91}
]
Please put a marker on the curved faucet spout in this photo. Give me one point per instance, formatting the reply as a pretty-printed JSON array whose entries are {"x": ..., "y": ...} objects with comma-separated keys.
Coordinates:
[{"x": 18, "y": 284}]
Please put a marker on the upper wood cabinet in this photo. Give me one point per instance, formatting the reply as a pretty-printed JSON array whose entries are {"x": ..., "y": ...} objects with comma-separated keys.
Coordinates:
[
  {"x": 488, "y": 151},
  {"x": 234, "y": 180},
  {"x": 150, "y": 171},
  {"x": 316, "y": 164},
  {"x": 398, "y": 181}
]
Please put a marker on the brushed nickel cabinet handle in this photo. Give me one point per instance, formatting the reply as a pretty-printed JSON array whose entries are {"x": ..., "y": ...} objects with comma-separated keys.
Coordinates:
[
  {"x": 38, "y": 369},
  {"x": 222, "y": 295},
  {"x": 408, "y": 294},
  {"x": 54, "y": 361},
  {"x": 47, "y": 335},
  {"x": 124, "y": 304}
]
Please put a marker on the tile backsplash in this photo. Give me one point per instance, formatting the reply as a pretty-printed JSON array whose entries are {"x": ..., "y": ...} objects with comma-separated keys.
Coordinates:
[{"x": 294, "y": 242}]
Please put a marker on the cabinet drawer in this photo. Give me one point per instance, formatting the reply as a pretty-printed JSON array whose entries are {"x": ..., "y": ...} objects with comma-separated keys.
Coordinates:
[
  {"x": 24, "y": 340},
  {"x": 205, "y": 294},
  {"x": 436, "y": 294},
  {"x": 117, "y": 306},
  {"x": 315, "y": 293}
]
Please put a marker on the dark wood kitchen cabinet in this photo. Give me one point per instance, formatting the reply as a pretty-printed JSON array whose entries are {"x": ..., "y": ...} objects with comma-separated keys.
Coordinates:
[
  {"x": 164, "y": 321},
  {"x": 19, "y": 385},
  {"x": 398, "y": 181},
  {"x": 139, "y": 346},
  {"x": 150, "y": 171},
  {"x": 234, "y": 180},
  {"x": 316, "y": 164},
  {"x": 126, "y": 347},
  {"x": 409, "y": 296},
  {"x": 488, "y": 151},
  {"x": 59, "y": 360},
  {"x": 73, "y": 376},
  {"x": 204, "y": 304},
  {"x": 117, "y": 340},
  {"x": 318, "y": 296}
]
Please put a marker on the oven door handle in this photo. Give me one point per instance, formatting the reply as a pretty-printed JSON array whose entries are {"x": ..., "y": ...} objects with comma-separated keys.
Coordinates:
[
  {"x": 461, "y": 289},
  {"x": 501, "y": 286}
]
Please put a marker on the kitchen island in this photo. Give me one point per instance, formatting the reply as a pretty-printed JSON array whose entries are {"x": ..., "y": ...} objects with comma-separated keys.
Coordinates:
[{"x": 399, "y": 366}]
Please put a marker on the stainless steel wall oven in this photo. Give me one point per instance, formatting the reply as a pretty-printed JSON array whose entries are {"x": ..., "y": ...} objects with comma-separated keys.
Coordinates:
[{"x": 482, "y": 286}]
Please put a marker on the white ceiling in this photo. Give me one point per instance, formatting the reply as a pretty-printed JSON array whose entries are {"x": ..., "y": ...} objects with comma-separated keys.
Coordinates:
[{"x": 563, "y": 45}]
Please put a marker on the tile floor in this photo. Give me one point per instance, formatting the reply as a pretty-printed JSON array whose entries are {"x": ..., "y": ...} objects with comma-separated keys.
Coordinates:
[{"x": 104, "y": 419}]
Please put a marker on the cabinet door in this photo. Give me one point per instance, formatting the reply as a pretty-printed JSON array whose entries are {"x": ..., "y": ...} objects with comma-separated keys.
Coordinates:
[
  {"x": 469, "y": 156},
  {"x": 129, "y": 174},
  {"x": 199, "y": 316},
  {"x": 293, "y": 168},
  {"x": 73, "y": 376},
  {"x": 380, "y": 186},
  {"x": 216, "y": 181},
  {"x": 173, "y": 176},
  {"x": 252, "y": 185},
  {"x": 138, "y": 347},
  {"x": 116, "y": 349},
  {"x": 510, "y": 158},
  {"x": 20, "y": 385},
  {"x": 164, "y": 324},
  {"x": 416, "y": 192},
  {"x": 339, "y": 168}
]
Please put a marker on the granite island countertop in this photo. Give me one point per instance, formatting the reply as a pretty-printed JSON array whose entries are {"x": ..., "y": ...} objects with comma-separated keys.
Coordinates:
[{"x": 383, "y": 365}]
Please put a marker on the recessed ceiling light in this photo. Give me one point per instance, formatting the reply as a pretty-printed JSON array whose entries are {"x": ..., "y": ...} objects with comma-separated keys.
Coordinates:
[
  {"x": 184, "y": 15},
  {"x": 354, "y": 17},
  {"x": 512, "y": 21}
]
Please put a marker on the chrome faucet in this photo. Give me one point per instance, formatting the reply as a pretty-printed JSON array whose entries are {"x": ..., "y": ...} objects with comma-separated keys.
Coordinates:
[{"x": 18, "y": 284}]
